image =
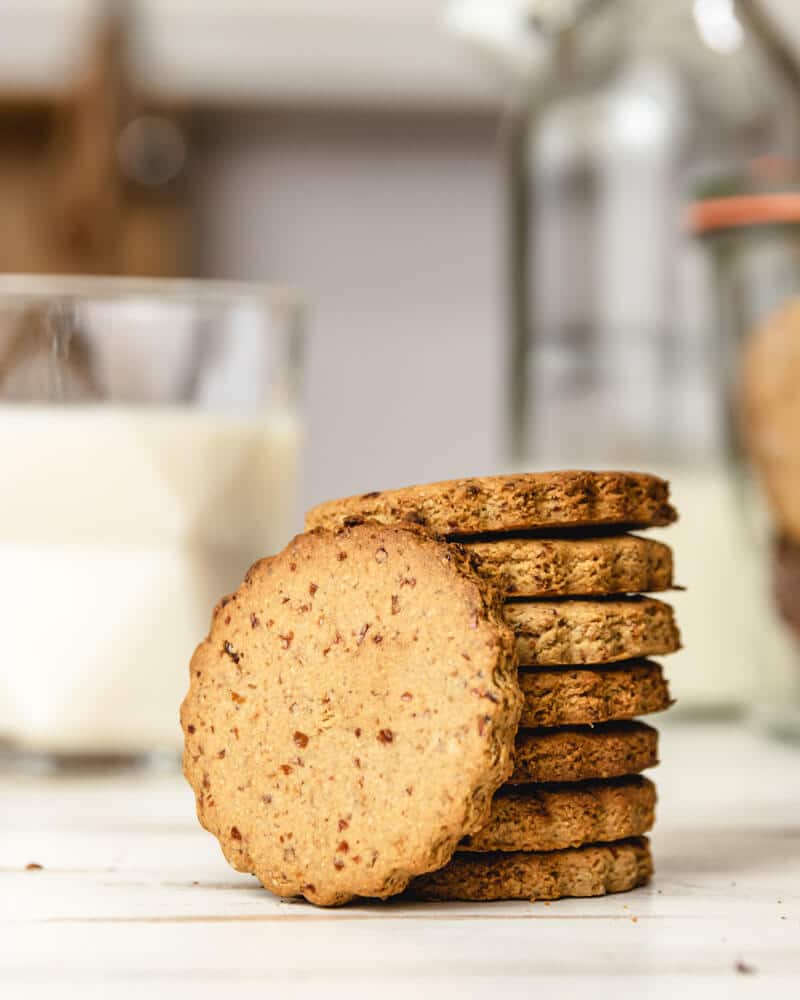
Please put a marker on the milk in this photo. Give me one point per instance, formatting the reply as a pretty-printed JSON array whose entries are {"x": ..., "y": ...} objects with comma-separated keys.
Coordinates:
[
  {"x": 721, "y": 612},
  {"x": 119, "y": 530}
]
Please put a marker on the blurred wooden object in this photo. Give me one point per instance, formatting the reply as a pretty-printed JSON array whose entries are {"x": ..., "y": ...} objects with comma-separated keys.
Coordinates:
[
  {"x": 87, "y": 193},
  {"x": 67, "y": 204}
]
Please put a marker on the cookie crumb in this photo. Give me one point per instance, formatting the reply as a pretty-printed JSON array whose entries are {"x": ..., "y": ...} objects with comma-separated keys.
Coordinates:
[
  {"x": 744, "y": 968},
  {"x": 33, "y": 866}
]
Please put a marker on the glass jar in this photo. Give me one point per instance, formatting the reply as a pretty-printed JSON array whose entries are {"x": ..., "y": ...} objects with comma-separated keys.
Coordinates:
[
  {"x": 752, "y": 237},
  {"x": 150, "y": 438},
  {"x": 613, "y": 363}
]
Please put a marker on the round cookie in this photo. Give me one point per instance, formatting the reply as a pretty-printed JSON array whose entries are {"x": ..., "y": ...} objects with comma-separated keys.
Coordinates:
[
  {"x": 593, "y": 870},
  {"x": 770, "y": 411},
  {"x": 551, "y": 818},
  {"x": 351, "y": 713},
  {"x": 563, "y": 696},
  {"x": 510, "y": 503},
  {"x": 576, "y": 753},
  {"x": 561, "y": 633},
  {"x": 581, "y": 567}
]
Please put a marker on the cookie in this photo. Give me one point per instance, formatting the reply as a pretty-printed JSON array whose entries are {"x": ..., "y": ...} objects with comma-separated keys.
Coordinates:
[
  {"x": 351, "y": 713},
  {"x": 583, "y": 567},
  {"x": 577, "y": 753},
  {"x": 593, "y": 870},
  {"x": 510, "y": 503},
  {"x": 786, "y": 582},
  {"x": 770, "y": 411},
  {"x": 552, "y": 817},
  {"x": 563, "y": 696},
  {"x": 560, "y": 633}
]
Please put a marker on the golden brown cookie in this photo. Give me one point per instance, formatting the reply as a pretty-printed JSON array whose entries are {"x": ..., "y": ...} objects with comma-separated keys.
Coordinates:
[
  {"x": 582, "y": 753},
  {"x": 581, "y": 567},
  {"x": 560, "y": 633},
  {"x": 593, "y": 870},
  {"x": 552, "y": 817},
  {"x": 351, "y": 713},
  {"x": 770, "y": 411},
  {"x": 510, "y": 503},
  {"x": 565, "y": 696}
]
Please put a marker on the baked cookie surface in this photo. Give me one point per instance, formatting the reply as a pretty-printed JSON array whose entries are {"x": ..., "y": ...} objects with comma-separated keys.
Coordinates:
[
  {"x": 593, "y": 870},
  {"x": 509, "y": 503},
  {"x": 552, "y": 817},
  {"x": 564, "y": 696},
  {"x": 351, "y": 713},
  {"x": 582, "y": 567},
  {"x": 583, "y": 753},
  {"x": 561, "y": 633}
]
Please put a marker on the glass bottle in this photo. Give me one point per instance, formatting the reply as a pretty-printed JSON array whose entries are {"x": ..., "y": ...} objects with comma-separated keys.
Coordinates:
[{"x": 613, "y": 360}]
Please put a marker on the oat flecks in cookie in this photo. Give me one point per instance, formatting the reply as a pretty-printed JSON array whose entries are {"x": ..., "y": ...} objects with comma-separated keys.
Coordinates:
[
  {"x": 510, "y": 503},
  {"x": 563, "y": 696},
  {"x": 553, "y": 817},
  {"x": 551, "y": 633},
  {"x": 351, "y": 713},
  {"x": 593, "y": 870},
  {"x": 564, "y": 567},
  {"x": 582, "y": 753}
]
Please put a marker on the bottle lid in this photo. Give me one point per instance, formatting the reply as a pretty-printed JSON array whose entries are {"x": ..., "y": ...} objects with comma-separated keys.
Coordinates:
[{"x": 767, "y": 192}]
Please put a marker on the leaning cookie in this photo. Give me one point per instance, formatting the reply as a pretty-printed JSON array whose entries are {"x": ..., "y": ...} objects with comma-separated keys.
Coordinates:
[
  {"x": 594, "y": 870},
  {"x": 510, "y": 503},
  {"x": 552, "y": 817},
  {"x": 351, "y": 713}
]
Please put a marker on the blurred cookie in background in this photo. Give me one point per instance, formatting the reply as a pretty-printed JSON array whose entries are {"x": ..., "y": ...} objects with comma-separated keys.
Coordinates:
[{"x": 771, "y": 412}]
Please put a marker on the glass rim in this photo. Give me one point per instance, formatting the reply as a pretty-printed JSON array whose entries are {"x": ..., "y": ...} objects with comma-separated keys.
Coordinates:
[{"x": 30, "y": 287}]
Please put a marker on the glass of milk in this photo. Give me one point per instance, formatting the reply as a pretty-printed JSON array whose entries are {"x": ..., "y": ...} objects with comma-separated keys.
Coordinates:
[{"x": 149, "y": 434}]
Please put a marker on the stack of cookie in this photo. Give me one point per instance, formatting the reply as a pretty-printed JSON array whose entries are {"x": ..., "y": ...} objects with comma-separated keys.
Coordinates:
[
  {"x": 378, "y": 708},
  {"x": 581, "y": 644}
]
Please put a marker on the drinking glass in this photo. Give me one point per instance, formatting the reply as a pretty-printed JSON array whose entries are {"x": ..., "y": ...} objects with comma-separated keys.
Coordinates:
[{"x": 150, "y": 434}]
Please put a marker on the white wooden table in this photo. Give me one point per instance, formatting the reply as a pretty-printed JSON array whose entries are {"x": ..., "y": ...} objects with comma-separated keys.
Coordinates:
[{"x": 133, "y": 899}]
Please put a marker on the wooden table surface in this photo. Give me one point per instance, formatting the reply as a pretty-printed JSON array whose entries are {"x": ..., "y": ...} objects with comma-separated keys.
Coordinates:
[{"x": 134, "y": 899}]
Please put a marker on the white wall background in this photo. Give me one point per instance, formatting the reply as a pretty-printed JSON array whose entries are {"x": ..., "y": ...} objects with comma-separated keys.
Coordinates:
[
  {"x": 392, "y": 225},
  {"x": 387, "y": 209}
]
